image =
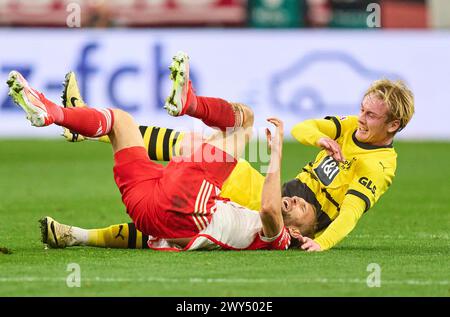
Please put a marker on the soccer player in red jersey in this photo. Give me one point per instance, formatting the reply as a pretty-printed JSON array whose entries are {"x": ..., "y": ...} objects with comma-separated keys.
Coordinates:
[{"x": 179, "y": 206}]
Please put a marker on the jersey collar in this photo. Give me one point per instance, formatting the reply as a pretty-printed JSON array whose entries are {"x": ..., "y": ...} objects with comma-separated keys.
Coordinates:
[{"x": 367, "y": 146}]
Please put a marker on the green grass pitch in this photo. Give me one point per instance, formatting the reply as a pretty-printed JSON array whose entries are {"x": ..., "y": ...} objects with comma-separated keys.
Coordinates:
[{"x": 406, "y": 233}]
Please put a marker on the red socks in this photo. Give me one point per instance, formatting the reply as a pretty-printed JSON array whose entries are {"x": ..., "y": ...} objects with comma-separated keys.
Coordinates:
[
  {"x": 214, "y": 112},
  {"x": 89, "y": 122}
]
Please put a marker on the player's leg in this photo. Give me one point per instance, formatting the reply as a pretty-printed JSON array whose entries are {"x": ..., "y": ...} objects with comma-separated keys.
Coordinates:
[
  {"x": 124, "y": 132},
  {"x": 161, "y": 143},
  {"x": 214, "y": 112},
  {"x": 235, "y": 121},
  {"x": 42, "y": 112},
  {"x": 117, "y": 124},
  {"x": 122, "y": 236},
  {"x": 234, "y": 141}
]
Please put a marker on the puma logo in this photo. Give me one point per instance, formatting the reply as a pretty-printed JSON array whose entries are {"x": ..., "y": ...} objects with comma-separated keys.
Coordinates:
[
  {"x": 120, "y": 233},
  {"x": 73, "y": 100}
]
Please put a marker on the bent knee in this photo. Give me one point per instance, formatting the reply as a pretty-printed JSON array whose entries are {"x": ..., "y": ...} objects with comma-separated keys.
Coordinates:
[
  {"x": 121, "y": 114},
  {"x": 125, "y": 132},
  {"x": 122, "y": 119}
]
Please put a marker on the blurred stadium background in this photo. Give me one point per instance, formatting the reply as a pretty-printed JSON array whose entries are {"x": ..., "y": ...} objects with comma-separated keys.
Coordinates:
[
  {"x": 295, "y": 59},
  {"x": 420, "y": 14}
]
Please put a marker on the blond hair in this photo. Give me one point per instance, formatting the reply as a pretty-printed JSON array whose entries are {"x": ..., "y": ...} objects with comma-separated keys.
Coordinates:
[{"x": 398, "y": 98}]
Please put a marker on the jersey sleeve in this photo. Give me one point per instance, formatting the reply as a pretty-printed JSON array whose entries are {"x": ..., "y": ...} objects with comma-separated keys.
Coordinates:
[
  {"x": 351, "y": 211},
  {"x": 310, "y": 131},
  {"x": 281, "y": 241},
  {"x": 370, "y": 183}
]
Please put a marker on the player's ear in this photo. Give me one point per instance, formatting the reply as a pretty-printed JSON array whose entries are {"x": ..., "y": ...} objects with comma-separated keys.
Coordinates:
[
  {"x": 393, "y": 126},
  {"x": 294, "y": 232}
]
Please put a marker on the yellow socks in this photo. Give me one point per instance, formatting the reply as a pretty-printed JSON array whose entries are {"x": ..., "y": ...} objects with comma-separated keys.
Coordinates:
[{"x": 123, "y": 236}]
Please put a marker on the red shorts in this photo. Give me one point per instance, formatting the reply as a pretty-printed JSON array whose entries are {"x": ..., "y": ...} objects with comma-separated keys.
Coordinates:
[{"x": 176, "y": 201}]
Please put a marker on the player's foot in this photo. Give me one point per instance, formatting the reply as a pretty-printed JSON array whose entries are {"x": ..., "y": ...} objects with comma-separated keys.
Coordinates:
[
  {"x": 55, "y": 234},
  {"x": 179, "y": 100},
  {"x": 71, "y": 97},
  {"x": 31, "y": 100},
  {"x": 72, "y": 136}
]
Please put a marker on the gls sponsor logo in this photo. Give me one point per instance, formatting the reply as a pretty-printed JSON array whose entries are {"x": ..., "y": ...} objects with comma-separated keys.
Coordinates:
[
  {"x": 86, "y": 71},
  {"x": 368, "y": 184}
]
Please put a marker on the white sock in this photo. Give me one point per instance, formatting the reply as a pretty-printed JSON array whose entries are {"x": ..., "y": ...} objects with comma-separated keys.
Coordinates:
[{"x": 81, "y": 235}]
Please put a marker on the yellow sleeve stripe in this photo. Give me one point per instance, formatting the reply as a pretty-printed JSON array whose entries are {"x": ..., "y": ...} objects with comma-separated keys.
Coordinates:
[
  {"x": 338, "y": 126},
  {"x": 360, "y": 195},
  {"x": 159, "y": 144},
  {"x": 176, "y": 139},
  {"x": 146, "y": 136},
  {"x": 171, "y": 140}
]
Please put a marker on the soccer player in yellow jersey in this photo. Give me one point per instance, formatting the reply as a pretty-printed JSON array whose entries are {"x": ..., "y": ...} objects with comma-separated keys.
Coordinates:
[{"x": 353, "y": 170}]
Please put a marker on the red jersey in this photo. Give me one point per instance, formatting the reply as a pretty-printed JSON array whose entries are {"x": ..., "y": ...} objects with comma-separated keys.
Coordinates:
[{"x": 232, "y": 227}]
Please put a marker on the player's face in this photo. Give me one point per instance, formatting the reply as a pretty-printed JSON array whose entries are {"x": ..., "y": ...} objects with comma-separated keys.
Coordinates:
[
  {"x": 297, "y": 212},
  {"x": 373, "y": 127}
]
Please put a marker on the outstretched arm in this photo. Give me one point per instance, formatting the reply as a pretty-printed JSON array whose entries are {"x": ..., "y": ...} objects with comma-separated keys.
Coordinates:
[
  {"x": 351, "y": 211},
  {"x": 270, "y": 214},
  {"x": 321, "y": 133}
]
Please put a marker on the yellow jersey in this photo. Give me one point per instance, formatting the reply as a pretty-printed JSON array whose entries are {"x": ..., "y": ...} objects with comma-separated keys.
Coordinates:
[
  {"x": 340, "y": 192},
  {"x": 343, "y": 191}
]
